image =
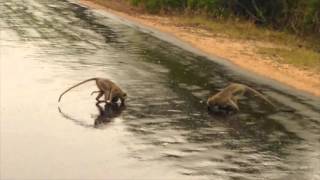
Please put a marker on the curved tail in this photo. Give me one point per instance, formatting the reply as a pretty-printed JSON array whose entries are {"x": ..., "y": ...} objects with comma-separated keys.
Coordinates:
[
  {"x": 91, "y": 79},
  {"x": 261, "y": 96}
]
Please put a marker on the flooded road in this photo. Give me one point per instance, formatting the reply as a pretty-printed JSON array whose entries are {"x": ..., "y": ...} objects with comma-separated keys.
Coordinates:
[{"x": 163, "y": 133}]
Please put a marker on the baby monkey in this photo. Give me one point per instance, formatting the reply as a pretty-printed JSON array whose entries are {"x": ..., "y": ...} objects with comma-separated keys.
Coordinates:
[
  {"x": 111, "y": 92},
  {"x": 227, "y": 99}
]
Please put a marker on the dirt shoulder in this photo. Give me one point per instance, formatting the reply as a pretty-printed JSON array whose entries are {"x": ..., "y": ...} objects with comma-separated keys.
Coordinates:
[{"x": 243, "y": 53}]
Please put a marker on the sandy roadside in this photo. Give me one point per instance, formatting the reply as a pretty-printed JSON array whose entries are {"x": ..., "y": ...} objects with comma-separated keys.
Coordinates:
[{"x": 239, "y": 52}]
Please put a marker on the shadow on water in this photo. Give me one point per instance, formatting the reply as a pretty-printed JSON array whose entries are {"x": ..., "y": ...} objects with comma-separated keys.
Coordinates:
[{"x": 166, "y": 88}]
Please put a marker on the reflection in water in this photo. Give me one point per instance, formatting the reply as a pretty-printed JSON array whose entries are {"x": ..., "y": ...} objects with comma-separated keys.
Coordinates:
[
  {"x": 76, "y": 121},
  {"x": 164, "y": 118},
  {"x": 105, "y": 116}
]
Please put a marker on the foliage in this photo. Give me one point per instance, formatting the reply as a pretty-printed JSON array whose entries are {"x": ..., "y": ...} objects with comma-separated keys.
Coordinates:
[{"x": 298, "y": 16}]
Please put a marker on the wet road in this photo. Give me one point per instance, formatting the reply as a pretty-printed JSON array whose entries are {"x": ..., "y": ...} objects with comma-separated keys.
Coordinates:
[{"x": 163, "y": 133}]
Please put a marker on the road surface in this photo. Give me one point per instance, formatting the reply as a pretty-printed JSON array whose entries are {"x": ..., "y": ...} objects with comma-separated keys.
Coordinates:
[{"x": 164, "y": 132}]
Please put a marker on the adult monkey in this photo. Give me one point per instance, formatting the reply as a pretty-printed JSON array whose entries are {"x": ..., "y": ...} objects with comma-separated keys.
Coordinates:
[
  {"x": 227, "y": 98},
  {"x": 111, "y": 92}
]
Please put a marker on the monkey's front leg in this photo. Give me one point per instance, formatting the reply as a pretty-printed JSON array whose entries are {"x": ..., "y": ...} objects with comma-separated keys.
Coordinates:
[
  {"x": 99, "y": 96},
  {"x": 108, "y": 97},
  {"x": 93, "y": 92},
  {"x": 234, "y": 105}
]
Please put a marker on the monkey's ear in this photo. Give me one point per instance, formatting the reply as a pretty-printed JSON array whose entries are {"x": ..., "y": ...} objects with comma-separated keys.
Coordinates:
[{"x": 125, "y": 94}]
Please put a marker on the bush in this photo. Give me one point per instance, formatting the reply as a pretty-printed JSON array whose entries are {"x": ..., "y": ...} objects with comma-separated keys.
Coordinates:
[{"x": 299, "y": 16}]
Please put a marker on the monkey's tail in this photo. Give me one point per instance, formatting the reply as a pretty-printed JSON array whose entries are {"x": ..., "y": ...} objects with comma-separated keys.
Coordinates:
[
  {"x": 82, "y": 82},
  {"x": 261, "y": 96}
]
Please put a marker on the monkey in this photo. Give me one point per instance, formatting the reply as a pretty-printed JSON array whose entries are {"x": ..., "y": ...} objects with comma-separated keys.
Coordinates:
[
  {"x": 114, "y": 100},
  {"x": 227, "y": 98},
  {"x": 112, "y": 93},
  {"x": 93, "y": 92}
]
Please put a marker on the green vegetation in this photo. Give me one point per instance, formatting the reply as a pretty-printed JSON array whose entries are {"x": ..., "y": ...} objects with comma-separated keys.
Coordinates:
[
  {"x": 298, "y": 16},
  {"x": 293, "y": 25},
  {"x": 236, "y": 29}
]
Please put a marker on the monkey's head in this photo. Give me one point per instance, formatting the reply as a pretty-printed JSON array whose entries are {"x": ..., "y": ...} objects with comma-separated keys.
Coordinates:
[
  {"x": 118, "y": 95},
  {"x": 212, "y": 104},
  {"x": 122, "y": 96},
  {"x": 215, "y": 104}
]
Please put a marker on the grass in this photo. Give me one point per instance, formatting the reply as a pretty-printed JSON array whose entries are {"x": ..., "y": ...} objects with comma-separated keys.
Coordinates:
[
  {"x": 242, "y": 30},
  {"x": 302, "y": 52},
  {"x": 299, "y": 57}
]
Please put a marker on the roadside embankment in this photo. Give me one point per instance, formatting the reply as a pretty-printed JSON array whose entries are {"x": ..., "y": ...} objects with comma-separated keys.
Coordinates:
[{"x": 295, "y": 66}]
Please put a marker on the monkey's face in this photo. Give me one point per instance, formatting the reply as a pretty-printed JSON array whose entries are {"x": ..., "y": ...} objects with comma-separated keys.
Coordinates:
[
  {"x": 119, "y": 96},
  {"x": 211, "y": 102},
  {"x": 216, "y": 106},
  {"x": 212, "y": 105}
]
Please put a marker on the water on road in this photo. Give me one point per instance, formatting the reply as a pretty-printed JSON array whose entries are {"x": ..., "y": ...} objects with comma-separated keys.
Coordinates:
[{"x": 164, "y": 132}]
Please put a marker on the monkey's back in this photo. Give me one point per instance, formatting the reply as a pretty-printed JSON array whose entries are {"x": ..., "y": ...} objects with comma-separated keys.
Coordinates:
[{"x": 104, "y": 84}]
